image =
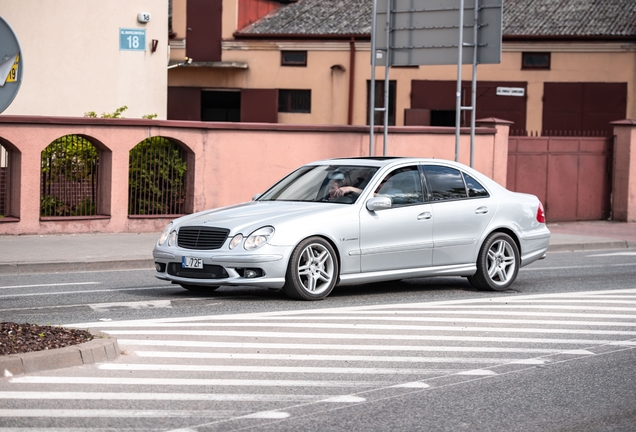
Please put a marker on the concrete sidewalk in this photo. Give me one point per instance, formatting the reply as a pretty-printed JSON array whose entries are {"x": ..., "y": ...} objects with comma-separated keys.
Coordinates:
[{"x": 26, "y": 254}]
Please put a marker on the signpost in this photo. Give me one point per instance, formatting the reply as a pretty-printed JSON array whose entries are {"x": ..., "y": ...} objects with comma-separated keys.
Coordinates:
[
  {"x": 431, "y": 32},
  {"x": 11, "y": 65}
]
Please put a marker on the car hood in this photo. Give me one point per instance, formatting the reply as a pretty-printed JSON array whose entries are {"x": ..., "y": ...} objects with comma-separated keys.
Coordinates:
[{"x": 255, "y": 214}]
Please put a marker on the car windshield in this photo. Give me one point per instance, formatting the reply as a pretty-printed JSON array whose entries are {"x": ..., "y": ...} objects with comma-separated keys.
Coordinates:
[{"x": 318, "y": 183}]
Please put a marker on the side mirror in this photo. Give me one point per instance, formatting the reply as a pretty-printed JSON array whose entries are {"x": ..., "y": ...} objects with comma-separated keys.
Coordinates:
[
  {"x": 255, "y": 197},
  {"x": 379, "y": 203}
]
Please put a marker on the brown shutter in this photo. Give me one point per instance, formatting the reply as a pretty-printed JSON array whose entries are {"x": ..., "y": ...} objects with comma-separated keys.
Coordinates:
[
  {"x": 184, "y": 103},
  {"x": 259, "y": 105}
]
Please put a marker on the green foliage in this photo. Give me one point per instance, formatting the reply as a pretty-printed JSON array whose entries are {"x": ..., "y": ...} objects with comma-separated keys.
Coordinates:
[
  {"x": 69, "y": 174},
  {"x": 156, "y": 179},
  {"x": 53, "y": 206},
  {"x": 116, "y": 114}
]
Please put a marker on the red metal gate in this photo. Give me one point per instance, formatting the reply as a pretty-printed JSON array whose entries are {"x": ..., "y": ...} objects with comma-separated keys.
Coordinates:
[{"x": 570, "y": 175}]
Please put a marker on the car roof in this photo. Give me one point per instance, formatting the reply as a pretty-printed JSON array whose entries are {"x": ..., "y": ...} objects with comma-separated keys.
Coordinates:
[{"x": 381, "y": 161}]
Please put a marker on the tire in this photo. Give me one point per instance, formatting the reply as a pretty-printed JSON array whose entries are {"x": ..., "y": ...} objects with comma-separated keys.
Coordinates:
[
  {"x": 312, "y": 271},
  {"x": 497, "y": 263},
  {"x": 199, "y": 288}
]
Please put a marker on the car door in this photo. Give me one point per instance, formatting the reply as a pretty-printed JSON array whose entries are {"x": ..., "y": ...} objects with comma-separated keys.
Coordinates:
[
  {"x": 398, "y": 237},
  {"x": 462, "y": 209}
]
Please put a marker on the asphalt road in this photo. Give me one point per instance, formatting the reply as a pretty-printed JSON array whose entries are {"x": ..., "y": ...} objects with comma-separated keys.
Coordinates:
[{"x": 554, "y": 354}]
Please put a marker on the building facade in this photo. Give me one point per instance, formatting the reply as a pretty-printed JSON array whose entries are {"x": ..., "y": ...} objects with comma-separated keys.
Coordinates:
[
  {"x": 83, "y": 56},
  {"x": 308, "y": 62}
]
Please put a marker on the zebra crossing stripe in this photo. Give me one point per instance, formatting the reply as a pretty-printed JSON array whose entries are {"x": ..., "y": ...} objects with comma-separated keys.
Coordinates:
[
  {"x": 320, "y": 357},
  {"x": 270, "y": 369},
  {"x": 335, "y": 347},
  {"x": 40, "y": 395},
  {"x": 194, "y": 382}
]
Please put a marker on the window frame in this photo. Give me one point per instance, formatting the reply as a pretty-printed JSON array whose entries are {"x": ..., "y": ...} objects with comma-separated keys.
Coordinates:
[
  {"x": 292, "y": 63},
  {"x": 289, "y": 101},
  {"x": 529, "y": 66},
  {"x": 396, "y": 171}
]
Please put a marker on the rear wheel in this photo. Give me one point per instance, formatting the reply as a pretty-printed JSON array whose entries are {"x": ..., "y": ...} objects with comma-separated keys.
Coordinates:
[
  {"x": 497, "y": 263},
  {"x": 199, "y": 288},
  {"x": 312, "y": 271}
]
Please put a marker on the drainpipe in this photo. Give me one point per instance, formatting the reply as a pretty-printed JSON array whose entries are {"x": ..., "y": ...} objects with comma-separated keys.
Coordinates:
[{"x": 352, "y": 72}]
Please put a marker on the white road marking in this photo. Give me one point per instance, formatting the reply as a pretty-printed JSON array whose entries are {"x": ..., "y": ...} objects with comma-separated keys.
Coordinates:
[
  {"x": 51, "y": 285},
  {"x": 270, "y": 323},
  {"x": 344, "y": 399},
  {"x": 355, "y": 336},
  {"x": 612, "y": 254},
  {"x": 577, "y": 267},
  {"x": 478, "y": 372},
  {"x": 318, "y": 357},
  {"x": 115, "y": 413},
  {"x": 589, "y": 299},
  {"x": 268, "y": 369},
  {"x": 193, "y": 382},
  {"x": 81, "y": 292},
  {"x": 348, "y": 347},
  {"x": 365, "y": 327},
  {"x": 408, "y": 314},
  {"x": 415, "y": 384},
  {"x": 39, "y": 395},
  {"x": 154, "y": 304},
  {"x": 268, "y": 415},
  {"x": 491, "y": 303}
]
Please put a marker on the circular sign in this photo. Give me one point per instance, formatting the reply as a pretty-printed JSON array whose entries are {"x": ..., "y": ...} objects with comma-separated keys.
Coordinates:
[{"x": 10, "y": 65}]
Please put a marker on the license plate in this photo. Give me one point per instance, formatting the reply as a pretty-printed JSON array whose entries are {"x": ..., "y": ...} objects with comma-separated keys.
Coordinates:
[{"x": 192, "y": 262}]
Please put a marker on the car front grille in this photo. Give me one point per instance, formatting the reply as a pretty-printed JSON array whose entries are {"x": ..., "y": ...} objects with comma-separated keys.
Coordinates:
[
  {"x": 201, "y": 238},
  {"x": 207, "y": 272}
]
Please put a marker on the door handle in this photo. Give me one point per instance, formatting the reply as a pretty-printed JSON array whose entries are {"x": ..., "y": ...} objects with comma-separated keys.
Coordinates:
[
  {"x": 481, "y": 210},
  {"x": 424, "y": 216}
]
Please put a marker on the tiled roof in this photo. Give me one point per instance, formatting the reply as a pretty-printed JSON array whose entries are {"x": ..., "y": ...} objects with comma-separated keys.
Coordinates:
[
  {"x": 317, "y": 17},
  {"x": 569, "y": 17},
  {"x": 575, "y": 18}
]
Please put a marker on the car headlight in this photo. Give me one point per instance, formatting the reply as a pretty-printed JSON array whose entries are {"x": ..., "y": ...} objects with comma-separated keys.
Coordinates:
[
  {"x": 172, "y": 238},
  {"x": 236, "y": 240},
  {"x": 258, "y": 238},
  {"x": 165, "y": 234}
]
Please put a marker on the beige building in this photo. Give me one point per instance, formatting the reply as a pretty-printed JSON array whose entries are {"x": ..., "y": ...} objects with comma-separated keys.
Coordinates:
[
  {"x": 307, "y": 62},
  {"x": 80, "y": 56}
]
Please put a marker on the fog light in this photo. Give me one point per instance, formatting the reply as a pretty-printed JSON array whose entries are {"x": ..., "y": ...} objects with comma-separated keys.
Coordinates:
[
  {"x": 161, "y": 267},
  {"x": 249, "y": 273}
]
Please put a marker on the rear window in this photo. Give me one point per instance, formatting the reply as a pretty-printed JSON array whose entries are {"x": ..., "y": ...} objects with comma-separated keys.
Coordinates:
[{"x": 475, "y": 189}]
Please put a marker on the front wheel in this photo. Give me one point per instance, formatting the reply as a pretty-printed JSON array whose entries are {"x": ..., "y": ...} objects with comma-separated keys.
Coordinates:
[
  {"x": 497, "y": 263},
  {"x": 312, "y": 271}
]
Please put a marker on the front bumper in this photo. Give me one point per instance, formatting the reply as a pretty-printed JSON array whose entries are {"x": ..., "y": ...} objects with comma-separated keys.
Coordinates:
[{"x": 224, "y": 268}]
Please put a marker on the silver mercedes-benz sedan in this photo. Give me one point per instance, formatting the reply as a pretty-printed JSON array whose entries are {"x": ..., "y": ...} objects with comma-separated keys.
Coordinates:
[{"x": 351, "y": 221}]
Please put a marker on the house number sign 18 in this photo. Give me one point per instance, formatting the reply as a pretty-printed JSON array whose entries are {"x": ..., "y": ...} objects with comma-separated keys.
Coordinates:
[{"x": 132, "y": 39}]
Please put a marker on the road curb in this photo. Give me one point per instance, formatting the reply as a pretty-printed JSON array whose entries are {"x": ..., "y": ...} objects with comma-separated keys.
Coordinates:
[
  {"x": 574, "y": 247},
  {"x": 53, "y": 267},
  {"x": 102, "y": 348}
]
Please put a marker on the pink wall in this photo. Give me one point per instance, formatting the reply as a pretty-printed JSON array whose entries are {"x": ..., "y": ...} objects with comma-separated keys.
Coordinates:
[
  {"x": 624, "y": 176},
  {"x": 232, "y": 161}
]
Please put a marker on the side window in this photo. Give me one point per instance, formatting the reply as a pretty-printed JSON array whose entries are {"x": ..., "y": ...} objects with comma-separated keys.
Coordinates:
[
  {"x": 475, "y": 189},
  {"x": 403, "y": 186},
  {"x": 445, "y": 183}
]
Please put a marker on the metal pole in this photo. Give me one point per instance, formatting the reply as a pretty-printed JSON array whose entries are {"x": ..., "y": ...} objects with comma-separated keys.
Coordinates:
[
  {"x": 386, "y": 76},
  {"x": 458, "y": 94},
  {"x": 372, "y": 89},
  {"x": 474, "y": 84}
]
